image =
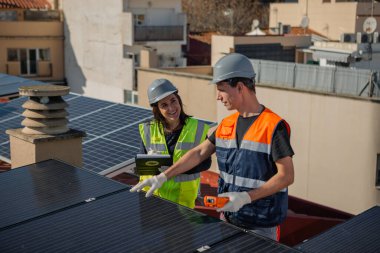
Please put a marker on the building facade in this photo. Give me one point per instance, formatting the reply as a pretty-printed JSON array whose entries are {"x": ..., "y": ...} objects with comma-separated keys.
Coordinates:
[
  {"x": 31, "y": 44},
  {"x": 335, "y": 136},
  {"x": 331, "y": 18},
  {"x": 104, "y": 41}
]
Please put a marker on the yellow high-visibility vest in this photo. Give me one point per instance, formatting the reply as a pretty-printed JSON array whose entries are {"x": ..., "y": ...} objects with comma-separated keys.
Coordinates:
[{"x": 182, "y": 189}]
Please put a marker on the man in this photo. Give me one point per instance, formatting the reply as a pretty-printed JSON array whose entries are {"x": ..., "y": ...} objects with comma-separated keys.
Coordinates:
[{"x": 253, "y": 151}]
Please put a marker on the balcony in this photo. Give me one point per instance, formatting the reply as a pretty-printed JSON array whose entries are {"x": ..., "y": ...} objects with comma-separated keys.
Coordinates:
[{"x": 158, "y": 33}]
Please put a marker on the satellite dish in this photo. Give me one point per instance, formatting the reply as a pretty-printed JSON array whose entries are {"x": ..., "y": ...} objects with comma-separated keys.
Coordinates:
[
  {"x": 305, "y": 22},
  {"x": 255, "y": 24},
  {"x": 369, "y": 25}
]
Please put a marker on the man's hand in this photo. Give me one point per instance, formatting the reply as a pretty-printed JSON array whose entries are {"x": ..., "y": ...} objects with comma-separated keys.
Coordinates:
[
  {"x": 237, "y": 201},
  {"x": 154, "y": 183}
]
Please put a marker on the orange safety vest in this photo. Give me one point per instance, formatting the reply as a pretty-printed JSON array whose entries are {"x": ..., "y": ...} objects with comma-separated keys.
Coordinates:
[{"x": 248, "y": 167}]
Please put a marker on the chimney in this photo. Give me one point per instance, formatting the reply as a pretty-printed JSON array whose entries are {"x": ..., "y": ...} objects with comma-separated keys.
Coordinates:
[{"x": 45, "y": 134}]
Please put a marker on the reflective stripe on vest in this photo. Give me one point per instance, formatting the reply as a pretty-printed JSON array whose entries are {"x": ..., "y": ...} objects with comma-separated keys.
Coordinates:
[
  {"x": 154, "y": 139},
  {"x": 243, "y": 182}
]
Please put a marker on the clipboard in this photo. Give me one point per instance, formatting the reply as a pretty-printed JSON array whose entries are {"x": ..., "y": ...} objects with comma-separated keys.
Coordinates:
[{"x": 151, "y": 164}]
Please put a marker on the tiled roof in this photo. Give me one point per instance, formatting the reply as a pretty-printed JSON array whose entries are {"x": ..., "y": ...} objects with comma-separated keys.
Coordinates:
[
  {"x": 25, "y": 4},
  {"x": 203, "y": 37},
  {"x": 302, "y": 31},
  {"x": 4, "y": 166}
]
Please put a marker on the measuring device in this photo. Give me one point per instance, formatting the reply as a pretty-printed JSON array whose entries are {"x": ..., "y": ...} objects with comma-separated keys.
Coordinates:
[{"x": 218, "y": 202}]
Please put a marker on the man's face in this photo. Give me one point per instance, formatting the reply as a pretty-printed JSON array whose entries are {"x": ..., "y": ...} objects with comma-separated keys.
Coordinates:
[{"x": 228, "y": 95}]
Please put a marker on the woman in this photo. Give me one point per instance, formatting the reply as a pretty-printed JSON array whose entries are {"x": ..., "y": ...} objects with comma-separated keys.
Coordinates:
[{"x": 173, "y": 132}]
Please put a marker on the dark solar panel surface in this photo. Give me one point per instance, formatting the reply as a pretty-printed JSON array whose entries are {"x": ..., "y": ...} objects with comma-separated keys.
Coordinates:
[
  {"x": 114, "y": 221},
  {"x": 248, "y": 243},
  {"x": 38, "y": 189},
  {"x": 359, "y": 234},
  {"x": 123, "y": 222}
]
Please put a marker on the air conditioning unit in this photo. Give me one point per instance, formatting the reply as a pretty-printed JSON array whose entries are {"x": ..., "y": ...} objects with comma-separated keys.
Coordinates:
[
  {"x": 366, "y": 38},
  {"x": 286, "y": 29},
  {"x": 348, "y": 37},
  {"x": 359, "y": 37},
  {"x": 375, "y": 37}
]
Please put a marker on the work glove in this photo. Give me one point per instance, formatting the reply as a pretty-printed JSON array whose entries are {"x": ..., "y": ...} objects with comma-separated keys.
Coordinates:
[
  {"x": 237, "y": 201},
  {"x": 154, "y": 183}
]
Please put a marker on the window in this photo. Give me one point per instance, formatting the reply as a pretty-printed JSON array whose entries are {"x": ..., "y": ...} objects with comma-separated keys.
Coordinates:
[
  {"x": 139, "y": 19},
  {"x": 13, "y": 55},
  {"x": 44, "y": 54},
  {"x": 28, "y": 58},
  {"x": 326, "y": 1},
  {"x": 130, "y": 97}
]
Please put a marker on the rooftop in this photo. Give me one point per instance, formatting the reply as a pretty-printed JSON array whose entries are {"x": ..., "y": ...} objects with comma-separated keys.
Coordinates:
[{"x": 25, "y": 4}]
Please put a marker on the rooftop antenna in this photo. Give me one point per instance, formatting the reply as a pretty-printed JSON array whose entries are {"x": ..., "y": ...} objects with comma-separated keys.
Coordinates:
[
  {"x": 369, "y": 27},
  {"x": 255, "y": 24},
  {"x": 304, "y": 23}
]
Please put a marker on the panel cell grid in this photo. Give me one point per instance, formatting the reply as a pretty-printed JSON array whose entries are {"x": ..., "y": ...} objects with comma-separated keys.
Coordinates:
[
  {"x": 15, "y": 105},
  {"x": 5, "y": 150},
  {"x": 110, "y": 119},
  {"x": 129, "y": 135},
  {"x": 83, "y": 105},
  {"x": 9, "y": 124},
  {"x": 100, "y": 154},
  {"x": 6, "y": 115}
]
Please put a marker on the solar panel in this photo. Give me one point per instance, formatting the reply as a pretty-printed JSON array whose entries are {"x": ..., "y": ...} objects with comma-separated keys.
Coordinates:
[
  {"x": 248, "y": 243},
  {"x": 97, "y": 118},
  {"x": 113, "y": 220},
  {"x": 42, "y": 188},
  {"x": 100, "y": 154},
  {"x": 10, "y": 84},
  {"x": 112, "y": 129},
  {"x": 358, "y": 234},
  {"x": 128, "y": 135},
  {"x": 9, "y": 123},
  {"x": 5, "y": 150}
]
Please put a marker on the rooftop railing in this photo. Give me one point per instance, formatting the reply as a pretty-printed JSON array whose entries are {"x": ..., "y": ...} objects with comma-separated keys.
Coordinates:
[
  {"x": 337, "y": 80},
  {"x": 159, "y": 33}
]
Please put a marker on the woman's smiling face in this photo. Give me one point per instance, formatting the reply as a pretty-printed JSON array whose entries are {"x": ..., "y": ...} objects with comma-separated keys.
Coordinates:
[{"x": 170, "y": 108}]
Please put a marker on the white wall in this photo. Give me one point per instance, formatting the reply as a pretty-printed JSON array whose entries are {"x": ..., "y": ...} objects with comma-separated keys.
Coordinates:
[
  {"x": 94, "y": 60},
  {"x": 224, "y": 44},
  {"x": 329, "y": 19},
  {"x": 336, "y": 141}
]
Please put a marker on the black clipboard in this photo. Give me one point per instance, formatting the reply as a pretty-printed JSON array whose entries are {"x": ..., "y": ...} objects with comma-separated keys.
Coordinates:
[{"x": 151, "y": 164}]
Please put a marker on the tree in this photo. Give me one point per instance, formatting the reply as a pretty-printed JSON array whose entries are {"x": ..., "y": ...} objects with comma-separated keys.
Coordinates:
[{"x": 230, "y": 17}]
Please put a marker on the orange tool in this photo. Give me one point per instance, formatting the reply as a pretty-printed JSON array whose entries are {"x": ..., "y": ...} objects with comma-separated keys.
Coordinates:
[{"x": 212, "y": 201}]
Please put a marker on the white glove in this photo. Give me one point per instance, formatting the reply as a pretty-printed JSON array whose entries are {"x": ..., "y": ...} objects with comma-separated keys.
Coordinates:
[
  {"x": 237, "y": 201},
  {"x": 154, "y": 183}
]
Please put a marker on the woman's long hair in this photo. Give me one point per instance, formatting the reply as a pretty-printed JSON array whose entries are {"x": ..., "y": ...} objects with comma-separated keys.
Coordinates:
[{"x": 160, "y": 118}]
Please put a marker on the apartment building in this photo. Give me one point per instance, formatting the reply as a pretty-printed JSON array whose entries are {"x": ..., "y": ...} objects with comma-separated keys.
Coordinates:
[
  {"x": 331, "y": 18},
  {"x": 104, "y": 42},
  {"x": 31, "y": 41}
]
